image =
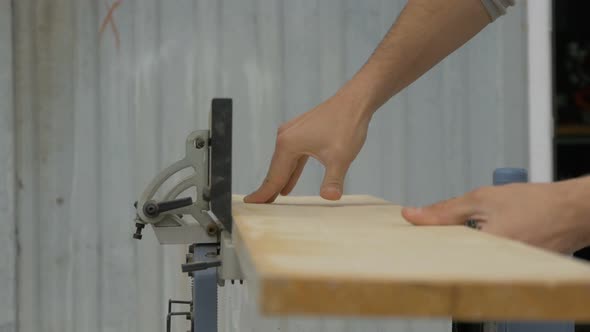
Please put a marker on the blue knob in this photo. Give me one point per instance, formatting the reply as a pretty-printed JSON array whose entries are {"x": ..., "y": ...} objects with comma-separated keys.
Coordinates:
[{"x": 507, "y": 175}]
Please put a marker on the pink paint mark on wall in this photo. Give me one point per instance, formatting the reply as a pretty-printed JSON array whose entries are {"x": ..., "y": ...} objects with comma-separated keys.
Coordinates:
[{"x": 110, "y": 20}]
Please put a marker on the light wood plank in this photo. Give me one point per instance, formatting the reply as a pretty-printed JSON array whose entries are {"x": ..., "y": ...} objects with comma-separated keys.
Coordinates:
[{"x": 359, "y": 257}]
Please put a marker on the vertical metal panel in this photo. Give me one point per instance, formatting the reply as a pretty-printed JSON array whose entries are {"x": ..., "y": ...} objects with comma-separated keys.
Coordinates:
[
  {"x": 45, "y": 161},
  {"x": 540, "y": 88},
  {"x": 8, "y": 245},
  {"x": 146, "y": 113},
  {"x": 85, "y": 183},
  {"x": 94, "y": 123},
  {"x": 27, "y": 168}
]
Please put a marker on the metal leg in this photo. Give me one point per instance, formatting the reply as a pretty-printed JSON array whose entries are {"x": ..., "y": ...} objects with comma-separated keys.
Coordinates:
[
  {"x": 468, "y": 327},
  {"x": 205, "y": 291},
  {"x": 186, "y": 314}
]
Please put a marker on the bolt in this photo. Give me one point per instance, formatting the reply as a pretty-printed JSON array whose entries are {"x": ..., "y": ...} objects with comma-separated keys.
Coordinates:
[
  {"x": 150, "y": 209},
  {"x": 138, "y": 227},
  {"x": 212, "y": 229},
  {"x": 199, "y": 142}
]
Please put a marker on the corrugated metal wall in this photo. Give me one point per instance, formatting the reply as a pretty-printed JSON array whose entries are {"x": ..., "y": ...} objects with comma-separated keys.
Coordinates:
[
  {"x": 93, "y": 122},
  {"x": 7, "y": 184}
]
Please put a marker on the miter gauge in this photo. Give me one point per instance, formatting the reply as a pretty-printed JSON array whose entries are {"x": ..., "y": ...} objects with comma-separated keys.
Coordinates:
[{"x": 204, "y": 221}]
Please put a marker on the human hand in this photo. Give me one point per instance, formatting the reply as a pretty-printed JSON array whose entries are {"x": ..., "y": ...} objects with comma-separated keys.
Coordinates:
[
  {"x": 333, "y": 133},
  {"x": 543, "y": 215}
]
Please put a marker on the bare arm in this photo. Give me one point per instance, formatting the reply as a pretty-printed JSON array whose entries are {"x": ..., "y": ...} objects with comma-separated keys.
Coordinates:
[
  {"x": 424, "y": 34},
  {"x": 335, "y": 131}
]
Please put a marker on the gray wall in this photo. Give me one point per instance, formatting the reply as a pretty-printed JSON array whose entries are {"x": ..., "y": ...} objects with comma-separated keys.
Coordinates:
[
  {"x": 92, "y": 124},
  {"x": 7, "y": 185}
]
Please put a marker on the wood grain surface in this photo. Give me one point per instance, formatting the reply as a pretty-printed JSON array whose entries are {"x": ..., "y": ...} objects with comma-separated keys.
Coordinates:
[{"x": 359, "y": 257}]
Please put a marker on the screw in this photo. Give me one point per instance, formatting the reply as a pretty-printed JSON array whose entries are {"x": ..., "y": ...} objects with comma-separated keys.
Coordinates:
[
  {"x": 199, "y": 142},
  {"x": 212, "y": 229},
  {"x": 151, "y": 209},
  {"x": 138, "y": 227}
]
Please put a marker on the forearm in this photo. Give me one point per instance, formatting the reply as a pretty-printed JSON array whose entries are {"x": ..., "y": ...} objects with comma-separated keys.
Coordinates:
[
  {"x": 575, "y": 197},
  {"x": 424, "y": 34}
]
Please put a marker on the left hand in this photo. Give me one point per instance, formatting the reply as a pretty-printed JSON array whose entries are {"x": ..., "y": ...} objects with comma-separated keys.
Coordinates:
[
  {"x": 543, "y": 215},
  {"x": 333, "y": 133}
]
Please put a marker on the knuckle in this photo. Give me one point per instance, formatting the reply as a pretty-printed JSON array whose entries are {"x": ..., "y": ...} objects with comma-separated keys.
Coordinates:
[
  {"x": 337, "y": 155},
  {"x": 283, "y": 141},
  {"x": 339, "y": 150},
  {"x": 333, "y": 180},
  {"x": 268, "y": 181},
  {"x": 283, "y": 127},
  {"x": 480, "y": 194},
  {"x": 271, "y": 182},
  {"x": 436, "y": 208}
]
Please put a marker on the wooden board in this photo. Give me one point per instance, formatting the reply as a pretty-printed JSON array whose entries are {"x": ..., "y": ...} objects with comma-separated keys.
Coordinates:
[{"x": 359, "y": 257}]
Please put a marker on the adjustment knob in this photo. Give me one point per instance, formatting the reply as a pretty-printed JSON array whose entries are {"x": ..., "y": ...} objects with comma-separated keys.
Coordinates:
[{"x": 153, "y": 209}]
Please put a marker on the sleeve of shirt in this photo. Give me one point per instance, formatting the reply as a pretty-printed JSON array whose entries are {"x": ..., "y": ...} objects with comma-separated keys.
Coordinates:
[{"x": 497, "y": 8}]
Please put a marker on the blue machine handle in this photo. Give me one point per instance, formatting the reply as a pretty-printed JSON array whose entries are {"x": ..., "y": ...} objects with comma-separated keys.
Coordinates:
[{"x": 508, "y": 175}]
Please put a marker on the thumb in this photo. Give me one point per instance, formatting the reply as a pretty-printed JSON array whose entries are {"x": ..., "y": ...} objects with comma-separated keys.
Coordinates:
[
  {"x": 454, "y": 211},
  {"x": 332, "y": 186}
]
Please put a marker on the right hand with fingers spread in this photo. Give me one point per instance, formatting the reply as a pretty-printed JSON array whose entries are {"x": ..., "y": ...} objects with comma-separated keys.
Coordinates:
[{"x": 333, "y": 133}]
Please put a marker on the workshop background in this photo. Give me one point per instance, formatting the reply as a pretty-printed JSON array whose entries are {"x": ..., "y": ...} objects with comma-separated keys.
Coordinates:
[{"x": 98, "y": 96}]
